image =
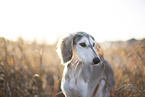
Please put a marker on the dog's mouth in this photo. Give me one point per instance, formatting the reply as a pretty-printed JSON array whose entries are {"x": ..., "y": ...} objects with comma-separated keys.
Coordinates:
[
  {"x": 95, "y": 61},
  {"x": 95, "y": 64}
]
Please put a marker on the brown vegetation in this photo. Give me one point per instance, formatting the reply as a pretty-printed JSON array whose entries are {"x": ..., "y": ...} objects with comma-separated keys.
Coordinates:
[{"x": 29, "y": 69}]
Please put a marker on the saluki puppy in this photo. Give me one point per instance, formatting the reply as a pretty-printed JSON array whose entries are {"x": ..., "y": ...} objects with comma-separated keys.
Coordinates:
[{"x": 85, "y": 73}]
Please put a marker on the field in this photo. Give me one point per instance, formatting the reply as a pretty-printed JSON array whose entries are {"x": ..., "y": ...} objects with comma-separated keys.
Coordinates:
[{"x": 31, "y": 69}]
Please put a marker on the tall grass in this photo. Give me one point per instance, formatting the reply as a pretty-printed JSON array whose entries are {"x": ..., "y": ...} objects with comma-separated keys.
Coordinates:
[
  {"x": 128, "y": 62},
  {"x": 30, "y": 69}
]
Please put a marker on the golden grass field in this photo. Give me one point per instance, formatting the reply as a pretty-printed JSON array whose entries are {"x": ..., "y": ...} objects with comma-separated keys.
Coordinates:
[{"x": 30, "y": 69}]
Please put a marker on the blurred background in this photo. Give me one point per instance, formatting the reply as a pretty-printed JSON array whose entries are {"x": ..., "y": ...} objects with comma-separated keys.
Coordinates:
[{"x": 29, "y": 32}]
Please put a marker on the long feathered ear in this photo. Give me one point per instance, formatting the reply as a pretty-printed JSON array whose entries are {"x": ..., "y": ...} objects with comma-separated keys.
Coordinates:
[{"x": 66, "y": 48}]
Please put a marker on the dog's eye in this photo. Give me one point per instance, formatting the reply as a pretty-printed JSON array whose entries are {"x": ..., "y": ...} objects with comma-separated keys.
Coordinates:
[
  {"x": 83, "y": 44},
  {"x": 93, "y": 44}
]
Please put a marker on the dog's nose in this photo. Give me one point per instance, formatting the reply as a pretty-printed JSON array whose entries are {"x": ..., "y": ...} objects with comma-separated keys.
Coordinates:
[{"x": 96, "y": 60}]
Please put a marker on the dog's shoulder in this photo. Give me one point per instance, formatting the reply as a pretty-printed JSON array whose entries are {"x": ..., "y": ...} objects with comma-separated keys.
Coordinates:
[{"x": 109, "y": 72}]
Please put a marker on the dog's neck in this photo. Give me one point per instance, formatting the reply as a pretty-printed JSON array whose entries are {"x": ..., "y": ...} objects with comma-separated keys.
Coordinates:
[
  {"x": 81, "y": 68},
  {"x": 77, "y": 62}
]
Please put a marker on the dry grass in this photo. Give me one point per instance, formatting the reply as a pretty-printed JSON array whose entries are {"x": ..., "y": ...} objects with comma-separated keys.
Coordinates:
[
  {"x": 29, "y": 69},
  {"x": 128, "y": 62}
]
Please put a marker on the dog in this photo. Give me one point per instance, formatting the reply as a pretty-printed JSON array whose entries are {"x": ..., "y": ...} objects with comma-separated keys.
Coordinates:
[{"x": 85, "y": 73}]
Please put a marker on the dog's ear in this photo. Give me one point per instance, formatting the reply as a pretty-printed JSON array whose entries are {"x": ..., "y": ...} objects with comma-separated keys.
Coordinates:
[{"x": 67, "y": 48}]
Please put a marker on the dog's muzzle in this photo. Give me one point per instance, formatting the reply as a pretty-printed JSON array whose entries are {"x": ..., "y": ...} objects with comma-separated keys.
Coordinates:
[{"x": 96, "y": 60}]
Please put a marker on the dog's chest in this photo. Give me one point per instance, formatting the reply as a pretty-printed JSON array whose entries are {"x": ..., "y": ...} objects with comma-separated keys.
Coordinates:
[{"x": 78, "y": 83}]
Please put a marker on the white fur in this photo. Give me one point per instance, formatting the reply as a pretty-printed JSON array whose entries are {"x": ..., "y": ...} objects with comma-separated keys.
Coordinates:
[{"x": 86, "y": 53}]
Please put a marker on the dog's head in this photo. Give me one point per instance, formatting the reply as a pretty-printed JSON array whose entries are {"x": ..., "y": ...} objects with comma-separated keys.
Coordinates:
[{"x": 80, "y": 45}]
